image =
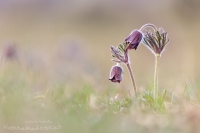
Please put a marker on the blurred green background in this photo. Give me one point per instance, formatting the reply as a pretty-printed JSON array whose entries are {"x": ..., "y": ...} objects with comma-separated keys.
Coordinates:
[{"x": 63, "y": 46}]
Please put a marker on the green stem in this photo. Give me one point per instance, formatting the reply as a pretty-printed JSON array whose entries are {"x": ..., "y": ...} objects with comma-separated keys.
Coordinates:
[
  {"x": 157, "y": 57},
  {"x": 164, "y": 94},
  {"x": 132, "y": 78}
]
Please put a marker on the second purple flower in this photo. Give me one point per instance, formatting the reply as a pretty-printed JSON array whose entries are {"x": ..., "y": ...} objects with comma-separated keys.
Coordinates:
[{"x": 134, "y": 39}]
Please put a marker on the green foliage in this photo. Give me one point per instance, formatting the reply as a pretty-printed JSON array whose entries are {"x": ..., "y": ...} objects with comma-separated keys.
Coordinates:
[
  {"x": 84, "y": 109},
  {"x": 119, "y": 105},
  {"x": 151, "y": 103}
]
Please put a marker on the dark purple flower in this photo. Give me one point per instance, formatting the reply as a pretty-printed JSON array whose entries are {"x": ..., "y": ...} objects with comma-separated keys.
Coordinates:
[
  {"x": 116, "y": 74},
  {"x": 134, "y": 39}
]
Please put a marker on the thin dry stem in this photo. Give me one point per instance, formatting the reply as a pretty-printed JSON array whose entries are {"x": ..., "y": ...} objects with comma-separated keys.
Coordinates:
[{"x": 132, "y": 78}]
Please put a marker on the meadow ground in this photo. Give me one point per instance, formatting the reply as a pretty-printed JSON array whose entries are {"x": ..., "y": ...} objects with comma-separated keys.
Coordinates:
[{"x": 55, "y": 64}]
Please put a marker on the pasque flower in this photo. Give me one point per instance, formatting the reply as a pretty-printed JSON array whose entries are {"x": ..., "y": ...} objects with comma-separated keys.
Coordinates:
[
  {"x": 116, "y": 74},
  {"x": 120, "y": 54},
  {"x": 157, "y": 42},
  {"x": 134, "y": 39}
]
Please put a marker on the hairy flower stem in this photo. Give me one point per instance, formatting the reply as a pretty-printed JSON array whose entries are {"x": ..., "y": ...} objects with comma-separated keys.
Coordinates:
[
  {"x": 132, "y": 77},
  {"x": 157, "y": 57},
  {"x": 148, "y": 25}
]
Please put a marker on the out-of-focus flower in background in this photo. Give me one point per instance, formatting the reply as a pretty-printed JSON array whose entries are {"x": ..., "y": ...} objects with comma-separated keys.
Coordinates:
[{"x": 9, "y": 51}]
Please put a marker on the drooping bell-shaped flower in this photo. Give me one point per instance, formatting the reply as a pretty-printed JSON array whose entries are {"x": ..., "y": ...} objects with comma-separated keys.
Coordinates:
[
  {"x": 134, "y": 39},
  {"x": 116, "y": 74}
]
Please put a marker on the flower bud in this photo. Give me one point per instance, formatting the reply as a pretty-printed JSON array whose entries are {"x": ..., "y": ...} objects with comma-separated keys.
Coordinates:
[
  {"x": 134, "y": 39},
  {"x": 116, "y": 74}
]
